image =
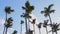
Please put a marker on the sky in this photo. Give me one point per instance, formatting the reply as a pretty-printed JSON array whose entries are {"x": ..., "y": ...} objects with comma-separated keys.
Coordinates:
[{"x": 39, "y": 6}]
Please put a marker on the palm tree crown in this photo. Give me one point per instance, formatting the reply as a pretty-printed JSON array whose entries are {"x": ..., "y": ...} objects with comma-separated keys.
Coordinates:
[
  {"x": 28, "y": 8},
  {"x": 47, "y": 10},
  {"x": 45, "y": 23},
  {"x": 8, "y": 10},
  {"x": 22, "y": 21},
  {"x": 9, "y": 22},
  {"x": 33, "y": 22},
  {"x": 55, "y": 27},
  {"x": 14, "y": 32},
  {"x": 39, "y": 25}
]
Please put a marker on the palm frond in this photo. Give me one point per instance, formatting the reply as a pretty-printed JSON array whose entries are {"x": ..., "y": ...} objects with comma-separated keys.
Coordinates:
[
  {"x": 49, "y": 7},
  {"x": 33, "y": 22},
  {"x": 39, "y": 25},
  {"x": 14, "y": 32},
  {"x": 58, "y": 29},
  {"x": 9, "y": 22},
  {"x": 23, "y": 8},
  {"x": 52, "y": 11},
  {"x": 22, "y": 21},
  {"x": 32, "y": 7},
  {"x": 45, "y": 8},
  {"x": 45, "y": 23},
  {"x": 42, "y": 12},
  {"x": 8, "y": 9},
  {"x": 27, "y": 4},
  {"x": 46, "y": 14}
]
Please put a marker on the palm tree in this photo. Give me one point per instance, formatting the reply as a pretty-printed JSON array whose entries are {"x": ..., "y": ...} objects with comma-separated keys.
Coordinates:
[
  {"x": 8, "y": 24},
  {"x": 28, "y": 9},
  {"x": 33, "y": 22},
  {"x": 45, "y": 25},
  {"x": 14, "y": 32},
  {"x": 8, "y": 10},
  {"x": 55, "y": 27},
  {"x": 30, "y": 31},
  {"x": 21, "y": 25},
  {"x": 47, "y": 11},
  {"x": 39, "y": 26}
]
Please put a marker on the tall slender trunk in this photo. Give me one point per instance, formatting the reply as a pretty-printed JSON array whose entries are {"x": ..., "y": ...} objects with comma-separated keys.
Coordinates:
[
  {"x": 56, "y": 32},
  {"x": 50, "y": 19},
  {"x": 5, "y": 23},
  {"x": 39, "y": 31},
  {"x": 46, "y": 30},
  {"x": 6, "y": 30},
  {"x": 34, "y": 28},
  {"x": 21, "y": 29},
  {"x": 50, "y": 22},
  {"x": 26, "y": 24}
]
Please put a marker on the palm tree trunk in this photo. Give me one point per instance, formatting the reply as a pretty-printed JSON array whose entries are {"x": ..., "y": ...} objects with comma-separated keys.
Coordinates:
[
  {"x": 26, "y": 24},
  {"x": 46, "y": 30},
  {"x": 6, "y": 30},
  {"x": 52, "y": 31},
  {"x": 34, "y": 28},
  {"x": 5, "y": 23},
  {"x": 50, "y": 22},
  {"x": 56, "y": 32},
  {"x": 21, "y": 28},
  {"x": 50, "y": 19},
  {"x": 39, "y": 31}
]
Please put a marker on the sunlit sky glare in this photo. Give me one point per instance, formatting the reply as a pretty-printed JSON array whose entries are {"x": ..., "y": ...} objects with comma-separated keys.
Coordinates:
[{"x": 17, "y": 4}]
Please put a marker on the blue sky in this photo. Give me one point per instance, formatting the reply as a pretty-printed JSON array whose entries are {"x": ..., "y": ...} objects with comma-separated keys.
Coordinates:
[{"x": 17, "y": 4}]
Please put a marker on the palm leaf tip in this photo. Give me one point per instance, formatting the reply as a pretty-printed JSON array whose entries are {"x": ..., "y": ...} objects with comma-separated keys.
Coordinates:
[
  {"x": 50, "y": 5},
  {"x": 27, "y": 4},
  {"x": 39, "y": 25},
  {"x": 10, "y": 19},
  {"x": 14, "y": 32},
  {"x": 42, "y": 12},
  {"x": 21, "y": 16},
  {"x": 22, "y": 21},
  {"x": 12, "y": 10},
  {"x": 33, "y": 21},
  {"x": 23, "y": 7},
  {"x": 45, "y": 7},
  {"x": 32, "y": 7},
  {"x": 52, "y": 11}
]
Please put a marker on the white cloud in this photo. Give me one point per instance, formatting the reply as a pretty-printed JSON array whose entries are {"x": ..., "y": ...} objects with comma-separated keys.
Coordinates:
[
  {"x": 7, "y": 32},
  {"x": 12, "y": 29},
  {"x": 2, "y": 21},
  {"x": 1, "y": 32}
]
